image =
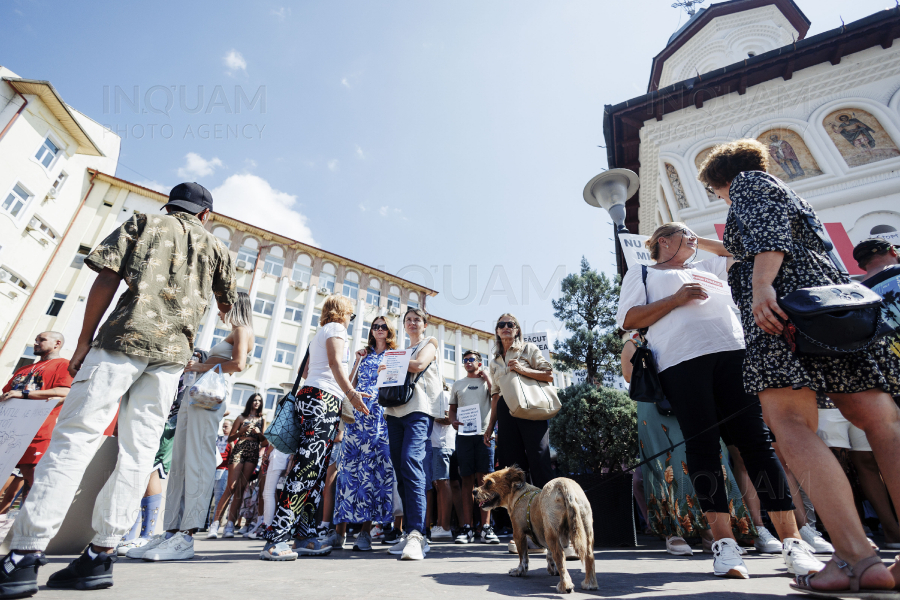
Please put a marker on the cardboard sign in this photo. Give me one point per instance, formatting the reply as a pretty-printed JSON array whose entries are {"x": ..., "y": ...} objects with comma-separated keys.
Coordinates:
[
  {"x": 635, "y": 251},
  {"x": 541, "y": 340},
  {"x": 20, "y": 420},
  {"x": 711, "y": 283}
]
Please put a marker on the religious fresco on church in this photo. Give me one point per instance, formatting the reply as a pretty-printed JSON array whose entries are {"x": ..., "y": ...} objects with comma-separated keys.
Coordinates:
[
  {"x": 791, "y": 159},
  {"x": 680, "y": 197},
  {"x": 698, "y": 162},
  {"x": 859, "y": 137}
]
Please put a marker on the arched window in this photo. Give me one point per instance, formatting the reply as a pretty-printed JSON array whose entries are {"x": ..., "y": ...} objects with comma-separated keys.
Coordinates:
[
  {"x": 326, "y": 278},
  {"x": 272, "y": 396},
  {"x": 351, "y": 285},
  {"x": 248, "y": 251},
  {"x": 394, "y": 298},
  {"x": 879, "y": 229},
  {"x": 413, "y": 301},
  {"x": 223, "y": 233},
  {"x": 241, "y": 393},
  {"x": 302, "y": 269},
  {"x": 274, "y": 263},
  {"x": 373, "y": 294}
]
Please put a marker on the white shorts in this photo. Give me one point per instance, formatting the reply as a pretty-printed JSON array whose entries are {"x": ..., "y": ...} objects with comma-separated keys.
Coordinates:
[{"x": 838, "y": 432}]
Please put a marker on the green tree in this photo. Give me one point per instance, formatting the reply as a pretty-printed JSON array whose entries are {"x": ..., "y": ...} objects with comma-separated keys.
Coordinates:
[{"x": 587, "y": 308}]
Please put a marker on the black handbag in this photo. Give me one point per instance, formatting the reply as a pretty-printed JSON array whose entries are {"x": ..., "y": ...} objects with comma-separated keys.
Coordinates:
[
  {"x": 829, "y": 320},
  {"x": 645, "y": 385},
  {"x": 398, "y": 395}
]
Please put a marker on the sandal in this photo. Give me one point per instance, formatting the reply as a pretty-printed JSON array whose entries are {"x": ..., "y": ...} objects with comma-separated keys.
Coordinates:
[
  {"x": 312, "y": 547},
  {"x": 854, "y": 573},
  {"x": 279, "y": 551}
]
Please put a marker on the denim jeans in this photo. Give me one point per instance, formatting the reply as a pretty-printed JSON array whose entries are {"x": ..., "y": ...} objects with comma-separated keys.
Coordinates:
[
  {"x": 218, "y": 490},
  {"x": 409, "y": 437}
]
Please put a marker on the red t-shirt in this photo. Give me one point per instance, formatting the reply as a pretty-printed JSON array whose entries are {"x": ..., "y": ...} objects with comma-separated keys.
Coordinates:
[{"x": 44, "y": 376}]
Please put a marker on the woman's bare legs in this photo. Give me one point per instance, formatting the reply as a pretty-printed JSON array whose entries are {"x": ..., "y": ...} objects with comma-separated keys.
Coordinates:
[
  {"x": 239, "y": 486},
  {"x": 793, "y": 416},
  {"x": 873, "y": 488},
  {"x": 234, "y": 471},
  {"x": 799, "y": 509}
]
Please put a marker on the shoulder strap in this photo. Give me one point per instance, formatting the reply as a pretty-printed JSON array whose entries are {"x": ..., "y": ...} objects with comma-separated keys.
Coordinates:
[
  {"x": 643, "y": 331},
  {"x": 300, "y": 373}
]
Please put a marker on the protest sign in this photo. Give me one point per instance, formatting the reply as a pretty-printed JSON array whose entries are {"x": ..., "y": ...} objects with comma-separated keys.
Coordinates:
[
  {"x": 20, "y": 420},
  {"x": 396, "y": 364},
  {"x": 634, "y": 250},
  {"x": 470, "y": 417},
  {"x": 540, "y": 339}
]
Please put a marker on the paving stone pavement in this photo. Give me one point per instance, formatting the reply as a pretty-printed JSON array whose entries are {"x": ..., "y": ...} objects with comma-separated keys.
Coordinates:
[{"x": 230, "y": 568}]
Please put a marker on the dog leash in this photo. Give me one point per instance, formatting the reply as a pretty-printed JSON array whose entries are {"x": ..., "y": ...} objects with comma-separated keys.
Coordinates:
[{"x": 667, "y": 450}]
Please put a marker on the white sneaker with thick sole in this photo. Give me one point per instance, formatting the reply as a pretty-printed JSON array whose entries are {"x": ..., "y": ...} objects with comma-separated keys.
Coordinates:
[
  {"x": 727, "y": 561},
  {"x": 414, "y": 549},
  {"x": 399, "y": 546},
  {"x": 178, "y": 547},
  {"x": 152, "y": 543},
  {"x": 123, "y": 548},
  {"x": 229, "y": 530},
  {"x": 438, "y": 532},
  {"x": 678, "y": 547},
  {"x": 799, "y": 557},
  {"x": 213, "y": 533},
  {"x": 377, "y": 532},
  {"x": 818, "y": 543},
  {"x": 766, "y": 542}
]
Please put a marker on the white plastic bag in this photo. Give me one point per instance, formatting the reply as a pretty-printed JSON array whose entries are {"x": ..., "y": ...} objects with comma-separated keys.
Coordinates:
[{"x": 211, "y": 390}]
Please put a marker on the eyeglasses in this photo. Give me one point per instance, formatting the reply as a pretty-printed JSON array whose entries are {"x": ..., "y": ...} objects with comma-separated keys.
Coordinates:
[
  {"x": 379, "y": 327},
  {"x": 506, "y": 324},
  {"x": 470, "y": 360}
]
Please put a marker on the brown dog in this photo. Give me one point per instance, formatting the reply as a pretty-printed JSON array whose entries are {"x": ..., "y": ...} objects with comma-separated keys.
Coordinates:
[{"x": 555, "y": 516}]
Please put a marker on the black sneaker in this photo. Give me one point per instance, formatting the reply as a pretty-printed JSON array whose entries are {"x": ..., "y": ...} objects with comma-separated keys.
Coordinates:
[
  {"x": 85, "y": 573},
  {"x": 488, "y": 536},
  {"x": 466, "y": 535},
  {"x": 19, "y": 580},
  {"x": 392, "y": 537}
]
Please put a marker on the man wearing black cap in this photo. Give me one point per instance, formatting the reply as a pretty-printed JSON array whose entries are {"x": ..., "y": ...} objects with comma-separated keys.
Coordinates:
[
  {"x": 881, "y": 262},
  {"x": 171, "y": 266}
]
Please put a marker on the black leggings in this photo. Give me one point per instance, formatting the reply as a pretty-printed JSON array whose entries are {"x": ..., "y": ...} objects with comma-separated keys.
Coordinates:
[
  {"x": 523, "y": 443},
  {"x": 709, "y": 388}
]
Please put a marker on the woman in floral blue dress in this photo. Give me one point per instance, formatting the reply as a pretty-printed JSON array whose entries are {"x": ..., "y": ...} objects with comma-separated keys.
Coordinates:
[{"x": 365, "y": 477}]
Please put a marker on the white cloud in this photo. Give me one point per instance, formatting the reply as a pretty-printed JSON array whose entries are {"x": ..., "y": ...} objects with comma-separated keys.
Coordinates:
[
  {"x": 360, "y": 153},
  {"x": 235, "y": 61},
  {"x": 251, "y": 164},
  {"x": 252, "y": 199},
  {"x": 154, "y": 185},
  {"x": 383, "y": 211},
  {"x": 333, "y": 165},
  {"x": 197, "y": 166},
  {"x": 345, "y": 82},
  {"x": 362, "y": 207},
  {"x": 282, "y": 13}
]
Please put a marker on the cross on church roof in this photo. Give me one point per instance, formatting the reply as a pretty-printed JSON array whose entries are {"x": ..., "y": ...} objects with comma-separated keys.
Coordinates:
[{"x": 688, "y": 5}]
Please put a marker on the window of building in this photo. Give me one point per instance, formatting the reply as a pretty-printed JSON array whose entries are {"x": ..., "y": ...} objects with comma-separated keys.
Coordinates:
[
  {"x": 264, "y": 304},
  {"x": 327, "y": 282},
  {"x": 273, "y": 265},
  {"x": 350, "y": 329},
  {"x": 273, "y": 395},
  {"x": 241, "y": 393},
  {"x": 412, "y": 304},
  {"x": 284, "y": 353},
  {"x": 27, "y": 358},
  {"x": 351, "y": 290},
  {"x": 317, "y": 314},
  {"x": 248, "y": 254},
  {"x": 367, "y": 326},
  {"x": 219, "y": 335},
  {"x": 485, "y": 359},
  {"x": 293, "y": 312},
  {"x": 45, "y": 229},
  {"x": 59, "y": 181},
  {"x": 80, "y": 255},
  {"x": 449, "y": 382},
  {"x": 223, "y": 233},
  {"x": 373, "y": 296},
  {"x": 301, "y": 273},
  {"x": 258, "y": 344},
  {"x": 14, "y": 279},
  {"x": 47, "y": 153},
  {"x": 449, "y": 352},
  {"x": 16, "y": 200},
  {"x": 393, "y": 302},
  {"x": 56, "y": 304},
  {"x": 408, "y": 341}
]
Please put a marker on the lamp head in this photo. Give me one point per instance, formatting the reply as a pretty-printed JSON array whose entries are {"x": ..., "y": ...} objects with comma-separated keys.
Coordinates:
[{"x": 610, "y": 190}]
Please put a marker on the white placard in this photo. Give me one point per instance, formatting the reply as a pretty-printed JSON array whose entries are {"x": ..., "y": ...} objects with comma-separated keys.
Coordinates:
[
  {"x": 396, "y": 364},
  {"x": 711, "y": 283},
  {"x": 579, "y": 376},
  {"x": 541, "y": 339},
  {"x": 20, "y": 420},
  {"x": 635, "y": 251},
  {"x": 470, "y": 417}
]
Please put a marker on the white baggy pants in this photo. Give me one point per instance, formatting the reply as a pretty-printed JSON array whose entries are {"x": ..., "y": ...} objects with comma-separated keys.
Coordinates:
[
  {"x": 192, "y": 473},
  {"x": 147, "y": 389},
  {"x": 278, "y": 463}
]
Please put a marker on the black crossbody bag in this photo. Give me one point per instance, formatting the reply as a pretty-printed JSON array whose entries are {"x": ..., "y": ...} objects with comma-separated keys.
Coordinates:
[
  {"x": 645, "y": 385},
  {"x": 829, "y": 320}
]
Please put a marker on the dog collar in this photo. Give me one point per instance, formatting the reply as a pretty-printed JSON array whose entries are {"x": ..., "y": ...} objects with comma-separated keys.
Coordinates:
[{"x": 528, "y": 529}]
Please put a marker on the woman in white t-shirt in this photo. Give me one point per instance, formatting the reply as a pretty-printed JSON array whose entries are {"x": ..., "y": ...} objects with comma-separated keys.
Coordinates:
[
  {"x": 319, "y": 409},
  {"x": 698, "y": 346}
]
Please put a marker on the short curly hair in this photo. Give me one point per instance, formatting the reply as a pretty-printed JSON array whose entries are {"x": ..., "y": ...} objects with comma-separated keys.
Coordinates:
[{"x": 727, "y": 161}]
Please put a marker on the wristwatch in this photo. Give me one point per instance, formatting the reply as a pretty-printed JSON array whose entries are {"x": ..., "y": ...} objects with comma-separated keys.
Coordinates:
[{"x": 25, "y": 394}]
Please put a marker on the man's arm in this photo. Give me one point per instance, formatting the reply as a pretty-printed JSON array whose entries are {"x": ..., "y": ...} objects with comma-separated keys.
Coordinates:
[{"x": 101, "y": 296}]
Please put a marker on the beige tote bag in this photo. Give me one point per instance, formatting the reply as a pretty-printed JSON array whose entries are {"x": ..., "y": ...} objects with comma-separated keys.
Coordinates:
[{"x": 529, "y": 398}]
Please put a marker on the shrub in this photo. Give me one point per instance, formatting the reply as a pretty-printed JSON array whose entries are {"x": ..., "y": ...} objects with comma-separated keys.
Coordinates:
[{"x": 595, "y": 430}]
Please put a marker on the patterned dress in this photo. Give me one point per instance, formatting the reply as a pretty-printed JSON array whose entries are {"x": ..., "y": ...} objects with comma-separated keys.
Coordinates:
[
  {"x": 365, "y": 476},
  {"x": 772, "y": 222}
]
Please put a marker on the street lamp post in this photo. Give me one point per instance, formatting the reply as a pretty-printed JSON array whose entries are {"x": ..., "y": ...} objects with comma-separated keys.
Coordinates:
[{"x": 610, "y": 190}]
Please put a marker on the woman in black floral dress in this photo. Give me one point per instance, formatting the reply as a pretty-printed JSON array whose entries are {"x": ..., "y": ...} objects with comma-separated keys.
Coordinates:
[{"x": 779, "y": 254}]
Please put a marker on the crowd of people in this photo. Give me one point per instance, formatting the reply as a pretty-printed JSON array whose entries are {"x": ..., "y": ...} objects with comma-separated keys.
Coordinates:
[{"x": 761, "y": 423}]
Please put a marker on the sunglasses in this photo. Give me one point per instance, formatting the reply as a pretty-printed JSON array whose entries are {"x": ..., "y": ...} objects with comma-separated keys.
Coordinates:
[
  {"x": 352, "y": 316},
  {"x": 506, "y": 324},
  {"x": 470, "y": 360},
  {"x": 379, "y": 327}
]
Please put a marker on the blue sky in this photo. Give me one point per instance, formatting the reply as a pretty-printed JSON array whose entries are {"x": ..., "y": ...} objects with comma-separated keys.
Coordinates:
[{"x": 424, "y": 138}]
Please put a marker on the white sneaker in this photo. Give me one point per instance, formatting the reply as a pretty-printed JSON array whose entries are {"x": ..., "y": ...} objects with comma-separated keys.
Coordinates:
[
  {"x": 798, "y": 556},
  {"x": 399, "y": 546},
  {"x": 815, "y": 539},
  {"x": 178, "y": 547},
  {"x": 532, "y": 548},
  {"x": 123, "y": 547},
  {"x": 377, "y": 532},
  {"x": 243, "y": 530},
  {"x": 229, "y": 530},
  {"x": 727, "y": 561},
  {"x": 677, "y": 546},
  {"x": 152, "y": 543},
  {"x": 334, "y": 539},
  {"x": 414, "y": 549},
  {"x": 766, "y": 542},
  {"x": 213, "y": 533},
  {"x": 438, "y": 532}
]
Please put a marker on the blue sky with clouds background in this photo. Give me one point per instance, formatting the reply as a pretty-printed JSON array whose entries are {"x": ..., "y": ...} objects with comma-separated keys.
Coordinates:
[{"x": 424, "y": 138}]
